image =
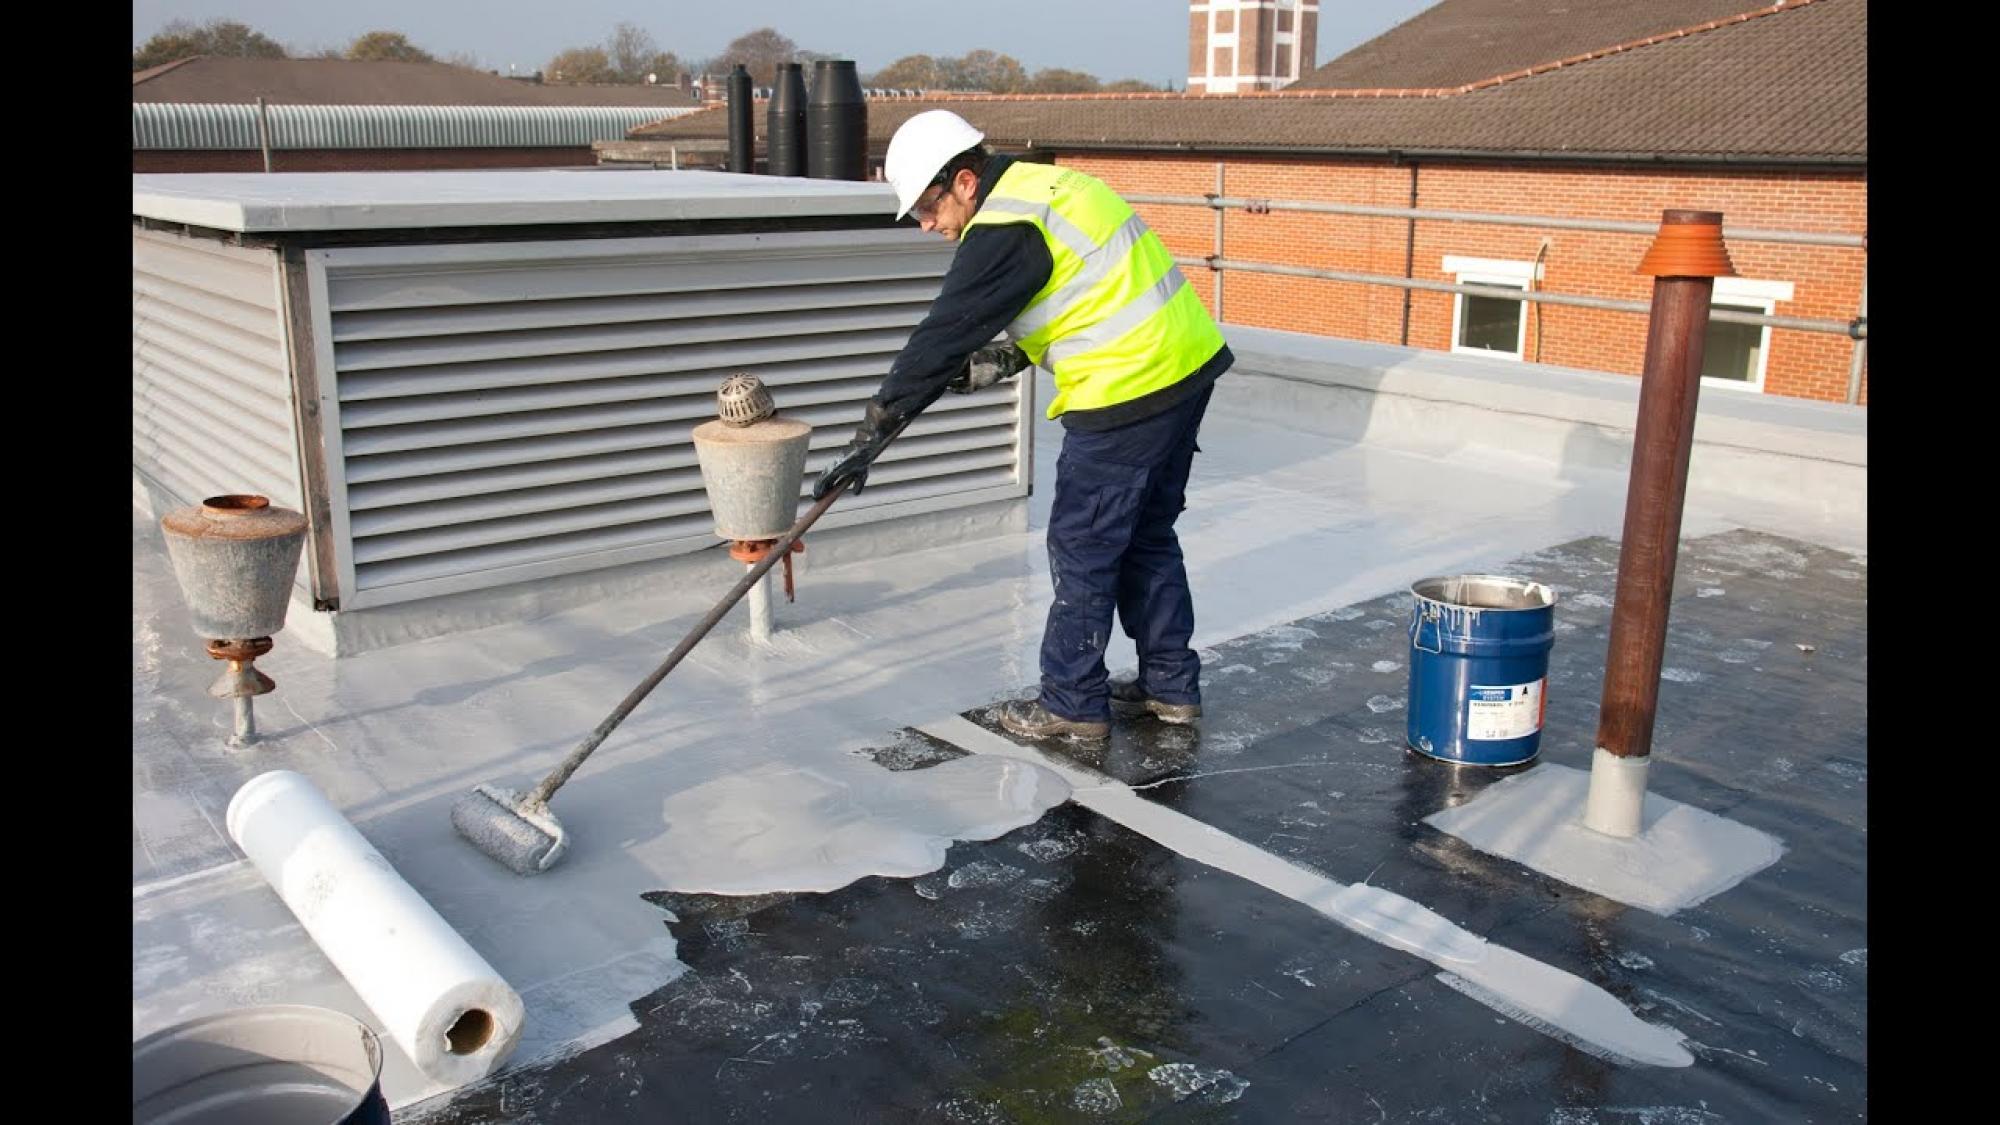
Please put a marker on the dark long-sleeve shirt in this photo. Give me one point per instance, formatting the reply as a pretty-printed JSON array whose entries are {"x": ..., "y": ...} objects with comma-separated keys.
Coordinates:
[{"x": 998, "y": 269}]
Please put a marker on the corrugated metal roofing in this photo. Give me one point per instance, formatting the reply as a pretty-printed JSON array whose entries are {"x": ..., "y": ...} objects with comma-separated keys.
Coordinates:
[
  {"x": 179, "y": 126},
  {"x": 346, "y": 82}
]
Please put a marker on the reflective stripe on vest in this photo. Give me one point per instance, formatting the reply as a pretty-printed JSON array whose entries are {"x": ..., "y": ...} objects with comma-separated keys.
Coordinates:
[{"x": 1116, "y": 320}]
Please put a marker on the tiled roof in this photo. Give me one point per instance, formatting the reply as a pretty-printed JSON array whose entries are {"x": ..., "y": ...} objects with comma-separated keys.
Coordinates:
[
  {"x": 1457, "y": 42},
  {"x": 1790, "y": 84}
]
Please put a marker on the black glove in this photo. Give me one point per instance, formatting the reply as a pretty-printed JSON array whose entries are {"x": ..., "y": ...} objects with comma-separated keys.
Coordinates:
[
  {"x": 870, "y": 438},
  {"x": 991, "y": 364}
]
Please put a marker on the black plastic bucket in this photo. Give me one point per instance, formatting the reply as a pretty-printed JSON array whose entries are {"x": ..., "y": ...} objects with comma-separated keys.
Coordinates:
[{"x": 283, "y": 1064}]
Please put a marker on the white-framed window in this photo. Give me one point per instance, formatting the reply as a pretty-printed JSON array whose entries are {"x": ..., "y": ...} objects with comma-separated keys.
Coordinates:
[
  {"x": 1490, "y": 326},
  {"x": 1735, "y": 355}
]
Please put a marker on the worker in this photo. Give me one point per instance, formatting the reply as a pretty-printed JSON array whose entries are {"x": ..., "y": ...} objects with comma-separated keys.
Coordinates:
[{"x": 1082, "y": 288}]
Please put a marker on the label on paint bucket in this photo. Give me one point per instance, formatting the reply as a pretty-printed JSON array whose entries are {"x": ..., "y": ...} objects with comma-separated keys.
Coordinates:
[{"x": 1495, "y": 713}]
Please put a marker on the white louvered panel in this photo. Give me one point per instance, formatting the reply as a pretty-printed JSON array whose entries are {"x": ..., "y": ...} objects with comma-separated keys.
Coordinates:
[
  {"x": 512, "y": 411},
  {"x": 211, "y": 394}
]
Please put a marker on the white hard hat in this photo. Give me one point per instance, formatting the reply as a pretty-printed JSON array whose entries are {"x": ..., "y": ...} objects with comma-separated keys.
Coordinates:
[{"x": 921, "y": 148}]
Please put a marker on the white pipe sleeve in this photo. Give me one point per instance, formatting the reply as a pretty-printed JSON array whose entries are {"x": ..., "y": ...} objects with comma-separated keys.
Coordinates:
[
  {"x": 1617, "y": 797},
  {"x": 760, "y": 608},
  {"x": 440, "y": 1001}
]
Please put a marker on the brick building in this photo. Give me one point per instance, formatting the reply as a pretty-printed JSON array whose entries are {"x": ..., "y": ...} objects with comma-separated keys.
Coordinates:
[
  {"x": 1613, "y": 110},
  {"x": 1239, "y": 46}
]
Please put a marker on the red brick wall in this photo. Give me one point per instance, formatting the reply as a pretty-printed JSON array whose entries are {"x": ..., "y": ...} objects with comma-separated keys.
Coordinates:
[
  {"x": 362, "y": 160},
  {"x": 1826, "y": 280}
]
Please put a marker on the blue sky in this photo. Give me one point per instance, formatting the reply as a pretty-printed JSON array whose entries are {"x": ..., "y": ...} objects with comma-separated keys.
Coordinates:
[{"x": 1112, "y": 39}]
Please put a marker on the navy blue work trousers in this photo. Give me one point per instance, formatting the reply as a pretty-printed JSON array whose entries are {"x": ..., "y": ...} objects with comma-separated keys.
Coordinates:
[{"x": 1112, "y": 546}]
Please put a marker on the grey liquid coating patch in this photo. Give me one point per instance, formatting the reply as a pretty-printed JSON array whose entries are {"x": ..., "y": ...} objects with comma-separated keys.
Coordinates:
[{"x": 1681, "y": 857}]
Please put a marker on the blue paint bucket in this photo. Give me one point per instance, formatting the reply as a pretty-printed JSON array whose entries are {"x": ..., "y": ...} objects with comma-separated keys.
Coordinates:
[{"x": 1479, "y": 668}]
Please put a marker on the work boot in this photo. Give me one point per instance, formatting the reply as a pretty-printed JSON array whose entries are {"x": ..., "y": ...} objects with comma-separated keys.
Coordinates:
[
  {"x": 1130, "y": 699},
  {"x": 1029, "y": 719}
]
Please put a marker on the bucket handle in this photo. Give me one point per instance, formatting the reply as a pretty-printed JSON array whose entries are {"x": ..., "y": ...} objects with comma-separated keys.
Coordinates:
[{"x": 1430, "y": 614}]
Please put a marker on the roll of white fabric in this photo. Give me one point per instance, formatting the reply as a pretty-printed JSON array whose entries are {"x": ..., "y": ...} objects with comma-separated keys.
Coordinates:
[{"x": 437, "y": 998}]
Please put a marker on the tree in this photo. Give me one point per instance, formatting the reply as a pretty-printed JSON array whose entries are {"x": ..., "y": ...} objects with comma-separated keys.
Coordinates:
[
  {"x": 1055, "y": 80},
  {"x": 631, "y": 52},
  {"x": 1130, "y": 86},
  {"x": 580, "y": 66},
  {"x": 222, "y": 38},
  {"x": 760, "y": 51},
  {"x": 909, "y": 72},
  {"x": 386, "y": 46},
  {"x": 996, "y": 73},
  {"x": 664, "y": 66}
]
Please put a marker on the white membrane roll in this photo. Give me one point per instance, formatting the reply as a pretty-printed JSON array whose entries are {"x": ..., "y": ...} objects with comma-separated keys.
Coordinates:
[{"x": 437, "y": 998}]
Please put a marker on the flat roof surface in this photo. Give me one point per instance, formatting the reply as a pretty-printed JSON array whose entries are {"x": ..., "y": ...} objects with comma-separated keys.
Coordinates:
[
  {"x": 355, "y": 201},
  {"x": 886, "y": 950}
]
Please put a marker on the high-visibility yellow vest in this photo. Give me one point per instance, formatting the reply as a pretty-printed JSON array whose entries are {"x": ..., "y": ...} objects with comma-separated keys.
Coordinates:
[{"x": 1117, "y": 319}]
